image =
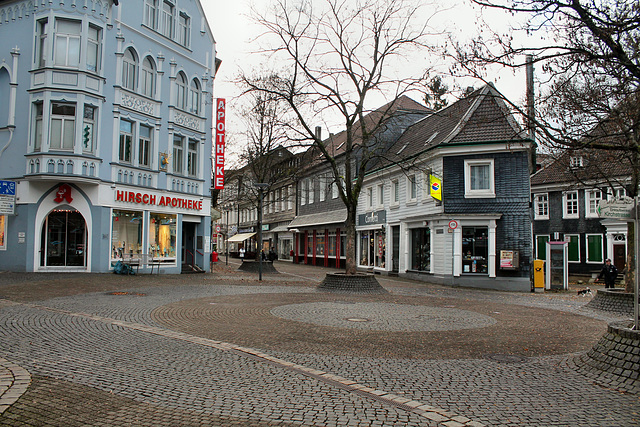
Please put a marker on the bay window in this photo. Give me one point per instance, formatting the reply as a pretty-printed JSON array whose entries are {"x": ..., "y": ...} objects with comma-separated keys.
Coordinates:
[
  {"x": 88, "y": 129},
  {"x": 67, "y": 43},
  {"x": 94, "y": 43},
  {"x": 63, "y": 126}
]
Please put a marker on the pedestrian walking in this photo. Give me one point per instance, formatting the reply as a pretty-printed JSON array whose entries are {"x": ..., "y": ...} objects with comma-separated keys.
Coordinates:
[
  {"x": 609, "y": 273},
  {"x": 242, "y": 254}
]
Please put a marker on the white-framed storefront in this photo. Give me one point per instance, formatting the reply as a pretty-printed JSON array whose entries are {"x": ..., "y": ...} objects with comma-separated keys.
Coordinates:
[{"x": 429, "y": 245}]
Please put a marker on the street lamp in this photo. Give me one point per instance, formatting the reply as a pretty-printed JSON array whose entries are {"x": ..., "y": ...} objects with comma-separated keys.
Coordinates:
[{"x": 260, "y": 186}]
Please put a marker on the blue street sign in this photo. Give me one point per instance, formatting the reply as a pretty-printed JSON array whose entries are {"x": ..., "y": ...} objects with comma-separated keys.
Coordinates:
[{"x": 8, "y": 188}]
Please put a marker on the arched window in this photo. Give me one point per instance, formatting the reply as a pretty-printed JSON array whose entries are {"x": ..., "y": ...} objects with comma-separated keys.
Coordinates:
[
  {"x": 92, "y": 169},
  {"x": 85, "y": 168},
  {"x": 51, "y": 165},
  {"x": 181, "y": 91},
  {"x": 60, "y": 166},
  {"x": 148, "y": 78},
  {"x": 129, "y": 69},
  {"x": 69, "y": 167},
  {"x": 194, "y": 97}
]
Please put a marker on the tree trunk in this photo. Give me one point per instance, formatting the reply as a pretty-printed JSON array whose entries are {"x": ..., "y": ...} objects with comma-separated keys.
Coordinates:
[
  {"x": 630, "y": 272},
  {"x": 350, "y": 249}
]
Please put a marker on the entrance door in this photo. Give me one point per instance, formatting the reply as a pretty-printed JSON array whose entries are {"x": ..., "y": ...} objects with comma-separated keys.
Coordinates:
[
  {"x": 619, "y": 256},
  {"x": 395, "y": 231},
  {"x": 188, "y": 243},
  {"x": 63, "y": 242}
]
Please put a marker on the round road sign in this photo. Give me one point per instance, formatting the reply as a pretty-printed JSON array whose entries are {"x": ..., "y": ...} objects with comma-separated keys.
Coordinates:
[{"x": 453, "y": 224}]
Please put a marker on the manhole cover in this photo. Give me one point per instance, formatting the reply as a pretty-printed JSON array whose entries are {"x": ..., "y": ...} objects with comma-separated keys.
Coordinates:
[
  {"x": 506, "y": 358},
  {"x": 356, "y": 319}
]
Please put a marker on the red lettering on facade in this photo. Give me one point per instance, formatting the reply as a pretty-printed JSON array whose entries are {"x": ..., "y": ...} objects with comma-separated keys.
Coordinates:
[
  {"x": 152, "y": 199},
  {"x": 220, "y": 143},
  {"x": 119, "y": 196}
]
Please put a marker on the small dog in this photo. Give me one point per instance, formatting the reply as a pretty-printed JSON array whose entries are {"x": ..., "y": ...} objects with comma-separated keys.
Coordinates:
[{"x": 585, "y": 292}]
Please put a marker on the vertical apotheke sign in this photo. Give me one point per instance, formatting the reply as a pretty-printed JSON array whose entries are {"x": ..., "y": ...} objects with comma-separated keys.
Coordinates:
[{"x": 218, "y": 166}]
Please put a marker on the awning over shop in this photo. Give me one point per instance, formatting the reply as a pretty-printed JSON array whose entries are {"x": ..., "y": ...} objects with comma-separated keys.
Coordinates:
[
  {"x": 280, "y": 229},
  {"x": 322, "y": 218},
  {"x": 240, "y": 237}
]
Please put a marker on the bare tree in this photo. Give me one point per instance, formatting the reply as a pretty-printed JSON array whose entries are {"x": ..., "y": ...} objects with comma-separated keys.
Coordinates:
[
  {"x": 335, "y": 55},
  {"x": 589, "y": 99}
]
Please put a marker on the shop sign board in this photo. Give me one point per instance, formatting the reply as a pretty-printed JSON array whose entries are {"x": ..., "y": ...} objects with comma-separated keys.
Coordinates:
[
  {"x": 373, "y": 218},
  {"x": 618, "y": 208},
  {"x": 7, "y": 197}
]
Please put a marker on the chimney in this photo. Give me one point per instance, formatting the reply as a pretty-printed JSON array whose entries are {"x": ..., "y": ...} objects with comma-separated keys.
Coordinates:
[{"x": 318, "y": 134}]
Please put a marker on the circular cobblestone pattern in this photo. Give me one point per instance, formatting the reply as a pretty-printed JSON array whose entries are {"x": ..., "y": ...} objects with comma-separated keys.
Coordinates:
[
  {"x": 383, "y": 316},
  {"x": 258, "y": 321}
]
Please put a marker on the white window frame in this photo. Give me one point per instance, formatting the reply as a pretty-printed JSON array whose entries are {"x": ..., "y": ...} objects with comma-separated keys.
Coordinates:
[
  {"x": 395, "y": 192},
  {"x": 380, "y": 195},
  {"x": 167, "y": 19},
  {"x": 145, "y": 146},
  {"x": 122, "y": 143},
  {"x": 89, "y": 127},
  {"x": 38, "y": 126},
  {"x": 130, "y": 70},
  {"x": 43, "y": 46},
  {"x": 323, "y": 188},
  {"x": 178, "y": 147},
  {"x": 586, "y": 237},
  {"x": 192, "y": 158},
  {"x": 290, "y": 196},
  {"x": 151, "y": 14},
  {"x": 579, "y": 251},
  {"x": 65, "y": 120},
  {"x": 489, "y": 192},
  {"x": 544, "y": 250},
  {"x": 305, "y": 192},
  {"x": 184, "y": 29},
  {"x": 592, "y": 198},
  {"x": 565, "y": 201},
  {"x": 369, "y": 197},
  {"x": 541, "y": 200},
  {"x": 194, "y": 97},
  {"x": 94, "y": 46},
  {"x": 148, "y": 77},
  {"x": 63, "y": 42},
  {"x": 181, "y": 91},
  {"x": 312, "y": 191},
  {"x": 412, "y": 188}
]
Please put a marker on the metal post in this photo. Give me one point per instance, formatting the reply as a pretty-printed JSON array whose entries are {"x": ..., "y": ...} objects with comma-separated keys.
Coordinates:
[
  {"x": 636, "y": 317},
  {"x": 261, "y": 187},
  {"x": 227, "y": 242},
  {"x": 260, "y": 234}
]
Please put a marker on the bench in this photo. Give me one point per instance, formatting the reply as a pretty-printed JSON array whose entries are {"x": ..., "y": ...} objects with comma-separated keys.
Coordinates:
[{"x": 137, "y": 260}]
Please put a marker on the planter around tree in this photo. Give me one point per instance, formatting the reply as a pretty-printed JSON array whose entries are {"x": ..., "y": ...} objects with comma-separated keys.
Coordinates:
[
  {"x": 351, "y": 283},
  {"x": 612, "y": 300},
  {"x": 252, "y": 266}
]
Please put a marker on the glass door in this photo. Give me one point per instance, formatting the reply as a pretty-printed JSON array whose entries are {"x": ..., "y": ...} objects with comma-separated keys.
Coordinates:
[{"x": 64, "y": 240}]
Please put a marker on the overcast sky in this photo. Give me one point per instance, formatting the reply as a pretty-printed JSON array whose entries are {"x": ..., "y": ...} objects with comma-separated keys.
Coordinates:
[{"x": 233, "y": 32}]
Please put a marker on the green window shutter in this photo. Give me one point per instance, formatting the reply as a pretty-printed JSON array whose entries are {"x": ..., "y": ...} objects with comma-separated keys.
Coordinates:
[
  {"x": 594, "y": 246},
  {"x": 574, "y": 248},
  {"x": 542, "y": 247}
]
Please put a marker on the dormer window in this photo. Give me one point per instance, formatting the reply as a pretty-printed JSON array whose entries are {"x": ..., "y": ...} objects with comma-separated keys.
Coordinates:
[{"x": 576, "y": 162}]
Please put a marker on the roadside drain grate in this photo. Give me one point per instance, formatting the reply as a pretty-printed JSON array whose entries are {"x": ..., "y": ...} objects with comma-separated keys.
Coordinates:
[
  {"x": 506, "y": 358},
  {"x": 127, "y": 293}
]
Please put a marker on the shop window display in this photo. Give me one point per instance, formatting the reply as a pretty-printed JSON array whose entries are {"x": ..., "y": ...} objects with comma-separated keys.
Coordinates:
[
  {"x": 475, "y": 249},
  {"x": 126, "y": 233},
  {"x": 162, "y": 237},
  {"x": 421, "y": 249},
  {"x": 372, "y": 248}
]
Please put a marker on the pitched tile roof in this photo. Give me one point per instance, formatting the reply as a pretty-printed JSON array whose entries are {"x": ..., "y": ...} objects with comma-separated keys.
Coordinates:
[{"x": 480, "y": 118}]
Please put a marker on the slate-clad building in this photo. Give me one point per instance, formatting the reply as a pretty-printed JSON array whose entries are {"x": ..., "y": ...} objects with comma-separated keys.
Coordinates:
[
  {"x": 105, "y": 131},
  {"x": 479, "y": 233}
]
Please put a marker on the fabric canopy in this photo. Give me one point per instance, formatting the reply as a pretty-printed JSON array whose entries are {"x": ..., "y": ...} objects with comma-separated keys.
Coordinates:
[{"x": 241, "y": 237}]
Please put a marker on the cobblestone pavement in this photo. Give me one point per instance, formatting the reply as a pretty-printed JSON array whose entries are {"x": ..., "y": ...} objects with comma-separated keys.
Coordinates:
[{"x": 225, "y": 349}]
